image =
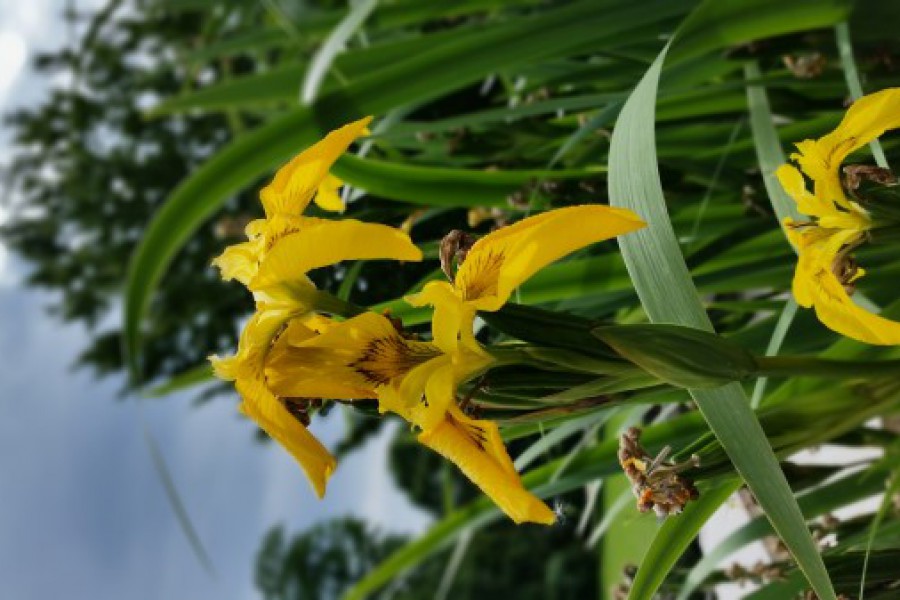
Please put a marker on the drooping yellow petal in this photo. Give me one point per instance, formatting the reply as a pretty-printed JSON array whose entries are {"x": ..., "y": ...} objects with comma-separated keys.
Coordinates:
[
  {"x": 837, "y": 311},
  {"x": 260, "y": 405},
  {"x": 246, "y": 369},
  {"x": 816, "y": 285},
  {"x": 501, "y": 261},
  {"x": 327, "y": 196},
  {"x": 868, "y": 118},
  {"x": 477, "y": 449},
  {"x": 295, "y": 183},
  {"x": 321, "y": 242}
]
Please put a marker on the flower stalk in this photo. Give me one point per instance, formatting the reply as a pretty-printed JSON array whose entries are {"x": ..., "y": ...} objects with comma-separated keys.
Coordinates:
[{"x": 799, "y": 366}]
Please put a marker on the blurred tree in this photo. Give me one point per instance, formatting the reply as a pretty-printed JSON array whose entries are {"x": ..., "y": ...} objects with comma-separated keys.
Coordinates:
[
  {"x": 429, "y": 481},
  {"x": 90, "y": 168},
  {"x": 89, "y": 172},
  {"x": 323, "y": 561}
]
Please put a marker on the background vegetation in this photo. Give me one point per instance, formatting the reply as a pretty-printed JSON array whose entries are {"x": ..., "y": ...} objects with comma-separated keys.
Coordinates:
[{"x": 175, "y": 111}]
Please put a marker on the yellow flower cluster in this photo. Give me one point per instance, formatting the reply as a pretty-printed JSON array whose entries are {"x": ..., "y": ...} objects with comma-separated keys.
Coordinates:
[
  {"x": 273, "y": 264},
  {"x": 825, "y": 269},
  {"x": 289, "y": 352}
]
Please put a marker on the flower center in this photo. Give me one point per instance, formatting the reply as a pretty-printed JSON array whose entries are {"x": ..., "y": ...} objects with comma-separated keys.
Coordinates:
[
  {"x": 385, "y": 358},
  {"x": 846, "y": 269}
]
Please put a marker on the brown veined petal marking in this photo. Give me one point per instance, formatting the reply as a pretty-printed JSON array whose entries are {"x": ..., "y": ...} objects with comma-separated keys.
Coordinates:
[
  {"x": 480, "y": 273},
  {"x": 385, "y": 358}
]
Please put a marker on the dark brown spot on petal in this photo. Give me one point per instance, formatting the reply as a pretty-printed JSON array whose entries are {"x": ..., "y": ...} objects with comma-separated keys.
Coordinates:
[{"x": 385, "y": 358}]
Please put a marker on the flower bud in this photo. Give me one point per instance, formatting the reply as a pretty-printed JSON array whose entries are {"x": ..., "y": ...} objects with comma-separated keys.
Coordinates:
[{"x": 681, "y": 356}]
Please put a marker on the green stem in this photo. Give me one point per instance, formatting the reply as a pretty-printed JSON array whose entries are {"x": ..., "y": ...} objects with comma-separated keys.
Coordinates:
[
  {"x": 559, "y": 359},
  {"x": 794, "y": 366},
  {"x": 329, "y": 303},
  {"x": 781, "y": 329},
  {"x": 854, "y": 84},
  {"x": 885, "y": 235}
]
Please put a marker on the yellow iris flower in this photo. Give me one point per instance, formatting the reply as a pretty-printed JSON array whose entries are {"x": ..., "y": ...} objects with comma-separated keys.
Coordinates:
[
  {"x": 838, "y": 224},
  {"x": 274, "y": 264},
  {"x": 501, "y": 261},
  {"x": 367, "y": 357}
]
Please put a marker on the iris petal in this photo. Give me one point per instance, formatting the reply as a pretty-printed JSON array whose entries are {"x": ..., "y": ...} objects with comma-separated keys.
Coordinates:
[
  {"x": 295, "y": 184},
  {"x": 477, "y": 449}
]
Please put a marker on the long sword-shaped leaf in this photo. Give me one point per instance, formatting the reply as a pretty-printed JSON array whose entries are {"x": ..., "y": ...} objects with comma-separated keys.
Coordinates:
[
  {"x": 851, "y": 74},
  {"x": 717, "y": 24},
  {"x": 174, "y": 498},
  {"x": 663, "y": 283},
  {"x": 675, "y": 536},
  {"x": 814, "y": 503},
  {"x": 334, "y": 44},
  {"x": 768, "y": 146}
]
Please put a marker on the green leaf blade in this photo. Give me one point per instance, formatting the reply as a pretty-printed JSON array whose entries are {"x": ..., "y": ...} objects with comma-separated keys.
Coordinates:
[{"x": 667, "y": 292}]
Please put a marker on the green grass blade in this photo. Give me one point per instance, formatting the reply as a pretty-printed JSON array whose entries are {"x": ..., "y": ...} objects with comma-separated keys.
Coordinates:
[
  {"x": 452, "y": 568},
  {"x": 768, "y": 146},
  {"x": 781, "y": 328},
  {"x": 661, "y": 279},
  {"x": 184, "y": 520},
  {"x": 334, "y": 45},
  {"x": 719, "y": 24},
  {"x": 675, "y": 536},
  {"x": 441, "y": 186},
  {"x": 348, "y": 283},
  {"x": 628, "y": 535},
  {"x": 601, "y": 119},
  {"x": 547, "y": 441},
  {"x": 851, "y": 74},
  {"x": 195, "y": 376},
  {"x": 814, "y": 503},
  {"x": 890, "y": 495},
  {"x": 612, "y": 510}
]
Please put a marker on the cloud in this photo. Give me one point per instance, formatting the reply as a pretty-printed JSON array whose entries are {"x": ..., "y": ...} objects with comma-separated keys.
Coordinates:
[{"x": 13, "y": 52}]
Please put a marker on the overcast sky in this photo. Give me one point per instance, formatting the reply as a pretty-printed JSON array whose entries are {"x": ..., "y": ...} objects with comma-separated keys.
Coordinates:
[{"x": 82, "y": 511}]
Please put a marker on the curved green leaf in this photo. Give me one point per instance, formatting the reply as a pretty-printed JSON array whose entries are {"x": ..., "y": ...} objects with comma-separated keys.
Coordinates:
[
  {"x": 676, "y": 535},
  {"x": 668, "y": 294},
  {"x": 814, "y": 503}
]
